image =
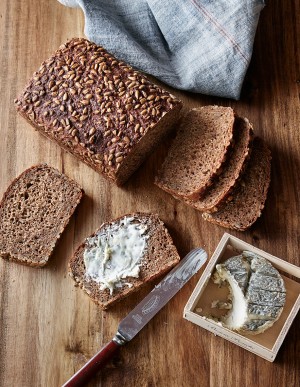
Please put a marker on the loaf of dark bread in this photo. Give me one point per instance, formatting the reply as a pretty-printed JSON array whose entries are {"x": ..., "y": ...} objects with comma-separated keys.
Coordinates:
[
  {"x": 34, "y": 211},
  {"x": 99, "y": 109},
  {"x": 197, "y": 153},
  {"x": 249, "y": 195},
  {"x": 143, "y": 236}
]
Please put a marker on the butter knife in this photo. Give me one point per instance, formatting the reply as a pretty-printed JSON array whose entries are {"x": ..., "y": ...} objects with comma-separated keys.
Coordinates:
[{"x": 130, "y": 326}]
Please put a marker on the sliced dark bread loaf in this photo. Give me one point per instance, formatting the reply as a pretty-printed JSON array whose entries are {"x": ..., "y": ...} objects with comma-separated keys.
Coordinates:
[
  {"x": 34, "y": 211},
  {"x": 230, "y": 171},
  {"x": 122, "y": 256},
  {"x": 98, "y": 108},
  {"x": 248, "y": 197},
  {"x": 197, "y": 152}
]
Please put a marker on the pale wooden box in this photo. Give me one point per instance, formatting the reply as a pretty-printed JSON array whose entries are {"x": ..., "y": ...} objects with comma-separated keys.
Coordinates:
[{"x": 265, "y": 344}]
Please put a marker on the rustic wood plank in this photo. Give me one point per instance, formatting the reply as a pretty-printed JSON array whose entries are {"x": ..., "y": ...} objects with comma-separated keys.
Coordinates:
[{"x": 48, "y": 328}]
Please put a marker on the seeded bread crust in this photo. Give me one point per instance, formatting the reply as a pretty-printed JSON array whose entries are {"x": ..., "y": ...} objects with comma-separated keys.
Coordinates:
[
  {"x": 231, "y": 170},
  {"x": 197, "y": 153},
  {"x": 97, "y": 108},
  {"x": 249, "y": 195},
  {"x": 34, "y": 211},
  {"x": 160, "y": 256}
]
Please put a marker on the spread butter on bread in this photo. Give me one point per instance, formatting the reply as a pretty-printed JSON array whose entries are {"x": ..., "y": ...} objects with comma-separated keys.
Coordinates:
[{"x": 122, "y": 256}]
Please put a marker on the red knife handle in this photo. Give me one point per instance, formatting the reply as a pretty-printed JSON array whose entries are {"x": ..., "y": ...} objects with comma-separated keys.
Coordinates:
[{"x": 90, "y": 369}]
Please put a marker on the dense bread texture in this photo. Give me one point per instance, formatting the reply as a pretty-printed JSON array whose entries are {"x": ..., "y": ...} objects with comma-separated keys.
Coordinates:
[
  {"x": 230, "y": 171},
  {"x": 197, "y": 152},
  {"x": 158, "y": 256},
  {"x": 248, "y": 197},
  {"x": 34, "y": 211},
  {"x": 99, "y": 109}
]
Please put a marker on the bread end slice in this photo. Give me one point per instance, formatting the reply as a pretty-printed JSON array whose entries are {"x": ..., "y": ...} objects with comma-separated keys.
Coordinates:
[
  {"x": 34, "y": 211},
  {"x": 158, "y": 256}
]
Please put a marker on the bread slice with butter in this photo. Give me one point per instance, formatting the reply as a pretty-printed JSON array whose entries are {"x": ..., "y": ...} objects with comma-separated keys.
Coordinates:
[{"x": 122, "y": 256}]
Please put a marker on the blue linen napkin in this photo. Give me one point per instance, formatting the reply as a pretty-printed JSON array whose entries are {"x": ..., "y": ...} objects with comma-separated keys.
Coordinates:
[{"x": 203, "y": 46}]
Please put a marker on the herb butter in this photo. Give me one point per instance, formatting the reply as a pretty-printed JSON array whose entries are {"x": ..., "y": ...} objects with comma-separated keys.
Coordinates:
[{"x": 115, "y": 253}]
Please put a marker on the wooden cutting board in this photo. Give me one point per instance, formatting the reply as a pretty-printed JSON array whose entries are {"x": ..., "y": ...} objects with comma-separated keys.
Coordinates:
[{"x": 48, "y": 328}]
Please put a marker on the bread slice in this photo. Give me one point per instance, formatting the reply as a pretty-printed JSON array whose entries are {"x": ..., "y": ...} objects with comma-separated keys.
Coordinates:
[
  {"x": 197, "y": 152},
  {"x": 143, "y": 235},
  {"x": 230, "y": 171},
  {"x": 34, "y": 211},
  {"x": 98, "y": 108},
  {"x": 248, "y": 198}
]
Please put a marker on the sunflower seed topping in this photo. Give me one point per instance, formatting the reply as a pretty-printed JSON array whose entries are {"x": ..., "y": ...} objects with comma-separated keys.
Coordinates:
[{"x": 95, "y": 101}]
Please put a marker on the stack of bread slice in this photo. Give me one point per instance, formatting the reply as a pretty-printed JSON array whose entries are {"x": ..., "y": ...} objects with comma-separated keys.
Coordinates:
[{"x": 216, "y": 165}]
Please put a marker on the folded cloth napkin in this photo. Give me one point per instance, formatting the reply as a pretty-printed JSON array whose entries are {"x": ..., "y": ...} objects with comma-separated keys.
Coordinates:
[{"x": 203, "y": 46}]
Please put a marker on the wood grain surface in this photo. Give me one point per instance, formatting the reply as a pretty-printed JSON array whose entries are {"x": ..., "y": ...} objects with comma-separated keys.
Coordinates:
[{"x": 49, "y": 328}]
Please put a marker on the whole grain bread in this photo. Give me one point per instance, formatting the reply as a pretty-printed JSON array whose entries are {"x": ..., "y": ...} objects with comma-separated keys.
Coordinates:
[
  {"x": 98, "y": 108},
  {"x": 159, "y": 256},
  {"x": 34, "y": 211},
  {"x": 231, "y": 169},
  {"x": 248, "y": 197},
  {"x": 197, "y": 152}
]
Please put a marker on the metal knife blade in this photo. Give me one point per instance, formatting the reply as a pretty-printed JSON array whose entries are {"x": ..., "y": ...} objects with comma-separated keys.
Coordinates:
[
  {"x": 141, "y": 315},
  {"x": 160, "y": 295}
]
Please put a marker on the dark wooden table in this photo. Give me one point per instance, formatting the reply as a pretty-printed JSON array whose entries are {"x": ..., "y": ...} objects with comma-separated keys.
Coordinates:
[{"x": 48, "y": 328}]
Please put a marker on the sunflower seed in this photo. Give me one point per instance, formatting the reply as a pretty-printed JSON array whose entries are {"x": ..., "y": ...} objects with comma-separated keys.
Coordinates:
[{"x": 91, "y": 140}]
